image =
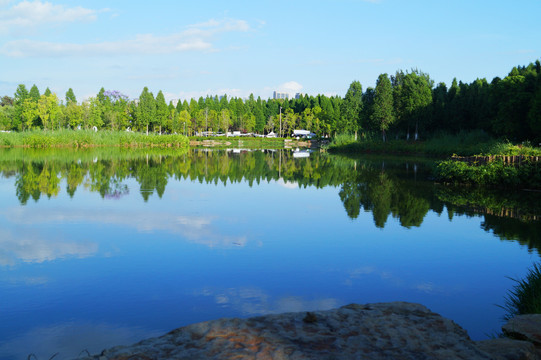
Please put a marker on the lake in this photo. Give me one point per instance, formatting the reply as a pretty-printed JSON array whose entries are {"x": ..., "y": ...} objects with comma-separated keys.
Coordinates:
[{"x": 106, "y": 247}]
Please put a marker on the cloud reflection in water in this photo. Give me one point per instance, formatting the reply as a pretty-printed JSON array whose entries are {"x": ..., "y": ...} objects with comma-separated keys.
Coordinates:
[
  {"x": 29, "y": 249},
  {"x": 251, "y": 301},
  {"x": 196, "y": 229}
]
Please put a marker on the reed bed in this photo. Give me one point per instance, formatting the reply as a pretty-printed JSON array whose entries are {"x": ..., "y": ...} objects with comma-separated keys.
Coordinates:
[{"x": 87, "y": 138}]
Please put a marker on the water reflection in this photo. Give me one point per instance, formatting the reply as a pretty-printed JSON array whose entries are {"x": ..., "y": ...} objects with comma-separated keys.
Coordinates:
[
  {"x": 382, "y": 186},
  {"x": 253, "y": 301},
  {"x": 160, "y": 239},
  {"x": 30, "y": 248},
  {"x": 71, "y": 340},
  {"x": 27, "y": 247}
]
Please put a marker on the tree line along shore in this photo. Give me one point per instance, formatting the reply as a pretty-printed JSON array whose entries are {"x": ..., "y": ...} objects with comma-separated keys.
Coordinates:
[
  {"x": 405, "y": 112},
  {"x": 405, "y": 105}
]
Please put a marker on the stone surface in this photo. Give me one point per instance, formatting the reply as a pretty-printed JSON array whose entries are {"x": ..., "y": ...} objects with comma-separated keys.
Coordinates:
[
  {"x": 376, "y": 331},
  {"x": 509, "y": 349},
  {"x": 524, "y": 327}
]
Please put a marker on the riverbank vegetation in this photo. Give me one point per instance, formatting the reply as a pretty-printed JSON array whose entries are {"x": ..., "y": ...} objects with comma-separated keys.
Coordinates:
[
  {"x": 89, "y": 138},
  {"x": 494, "y": 173},
  {"x": 437, "y": 145}
]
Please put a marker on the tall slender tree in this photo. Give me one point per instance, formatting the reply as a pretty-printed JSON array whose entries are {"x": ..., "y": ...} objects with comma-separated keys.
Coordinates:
[
  {"x": 161, "y": 111},
  {"x": 146, "y": 109},
  {"x": 383, "y": 104},
  {"x": 70, "y": 96},
  {"x": 350, "y": 119}
]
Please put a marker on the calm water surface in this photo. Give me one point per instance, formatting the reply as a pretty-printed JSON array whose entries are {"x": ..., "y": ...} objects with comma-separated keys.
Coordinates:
[{"x": 101, "y": 248}]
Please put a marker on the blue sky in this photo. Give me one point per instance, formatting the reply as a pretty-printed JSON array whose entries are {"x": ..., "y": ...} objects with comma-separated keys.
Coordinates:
[{"x": 193, "y": 48}]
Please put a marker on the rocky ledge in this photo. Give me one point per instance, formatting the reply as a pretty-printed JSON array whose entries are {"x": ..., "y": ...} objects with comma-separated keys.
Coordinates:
[{"x": 395, "y": 330}]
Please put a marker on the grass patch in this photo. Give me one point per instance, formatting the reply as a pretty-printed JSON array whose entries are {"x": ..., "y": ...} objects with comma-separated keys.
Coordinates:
[
  {"x": 465, "y": 143},
  {"x": 39, "y": 139}
]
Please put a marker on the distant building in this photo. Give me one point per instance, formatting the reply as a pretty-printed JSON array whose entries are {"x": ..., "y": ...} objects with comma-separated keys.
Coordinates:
[
  {"x": 298, "y": 95},
  {"x": 280, "y": 95}
]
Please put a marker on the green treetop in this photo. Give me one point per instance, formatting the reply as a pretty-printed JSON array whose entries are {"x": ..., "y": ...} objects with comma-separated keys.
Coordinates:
[{"x": 382, "y": 114}]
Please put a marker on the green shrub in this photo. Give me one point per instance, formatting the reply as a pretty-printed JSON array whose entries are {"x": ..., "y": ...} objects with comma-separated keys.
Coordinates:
[{"x": 496, "y": 173}]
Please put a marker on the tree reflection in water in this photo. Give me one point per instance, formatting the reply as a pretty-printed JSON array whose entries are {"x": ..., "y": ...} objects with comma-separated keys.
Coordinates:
[{"x": 382, "y": 186}]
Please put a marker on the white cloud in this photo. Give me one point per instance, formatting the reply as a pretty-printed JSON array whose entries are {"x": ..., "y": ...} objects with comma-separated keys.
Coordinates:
[
  {"x": 195, "y": 38},
  {"x": 290, "y": 87},
  {"x": 223, "y": 25},
  {"x": 28, "y": 15}
]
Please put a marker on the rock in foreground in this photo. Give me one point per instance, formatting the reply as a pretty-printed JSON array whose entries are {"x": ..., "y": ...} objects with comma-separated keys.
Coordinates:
[
  {"x": 376, "y": 331},
  {"x": 524, "y": 327}
]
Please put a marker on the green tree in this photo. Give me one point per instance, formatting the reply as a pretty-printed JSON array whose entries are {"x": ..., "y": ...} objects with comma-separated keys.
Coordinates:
[
  {"x": 48, "y": 110},
  {"x": 289, "y": 119},
  {"x": 351, "y": 109},
  {"x": 70, "y": 96},
  {"x": 34, "y": 93},
  {"x": 184, "y": 122},
  {"x": 534, "y": 115},
  {"x": 6, "y": 117},
  {"x": 146, "y": 109},
  {"x": 383, "y": 104},
  {"x": 415, "y": 98},
  {"x": 269, "y": 126},
  {"x": 213, "y": 121},
  {"x": 307, "y": 119},
  {"x": 368, "y": 107},
  {"x": 92, "y": 113},
  {"x": 162, "y": 111},
  {"x": 74, "y": 114},
  {"x": 21, "y": 93},
  {"x": 29, "y": 113}
]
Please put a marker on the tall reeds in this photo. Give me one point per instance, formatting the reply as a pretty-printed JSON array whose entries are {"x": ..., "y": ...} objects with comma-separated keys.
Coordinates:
[
  {"x": 525, "y": 296},
  {"x": 88, "y": 138}
]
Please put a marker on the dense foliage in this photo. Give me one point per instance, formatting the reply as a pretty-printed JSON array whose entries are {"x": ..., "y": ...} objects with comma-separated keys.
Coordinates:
[{"x": 405, "y": 105}]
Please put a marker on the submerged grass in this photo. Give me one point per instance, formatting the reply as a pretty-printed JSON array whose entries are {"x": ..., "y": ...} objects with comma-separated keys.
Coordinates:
[
  {"x": 525, "y": 296},
  {"x": 88, "y": 138}
]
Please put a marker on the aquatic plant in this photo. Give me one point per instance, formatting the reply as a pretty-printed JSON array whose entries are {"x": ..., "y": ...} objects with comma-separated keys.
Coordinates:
[
  {"x": 525, "y": 296},
  {"x": 89, "y": 138}
]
